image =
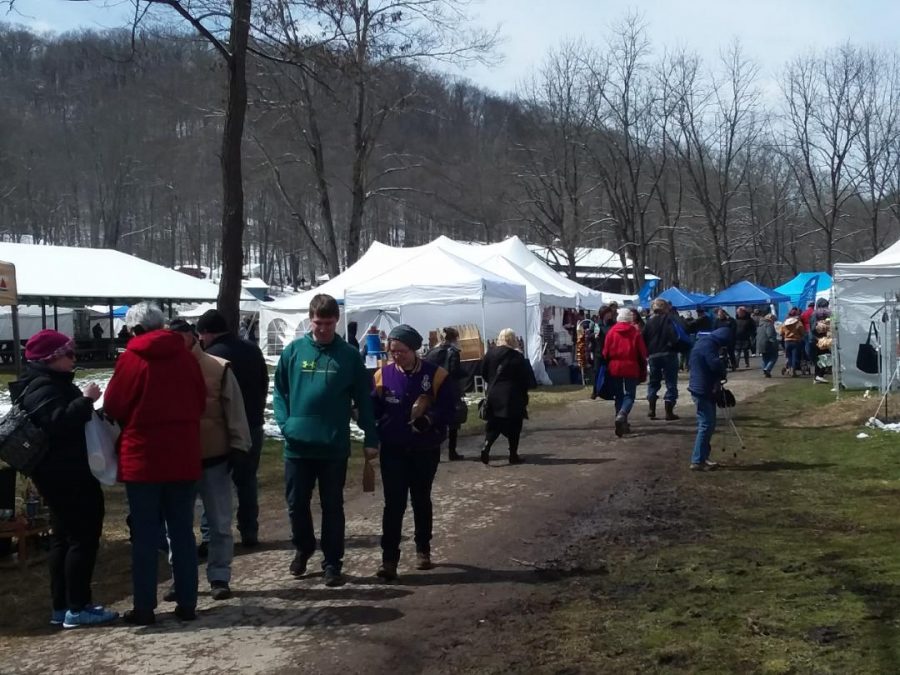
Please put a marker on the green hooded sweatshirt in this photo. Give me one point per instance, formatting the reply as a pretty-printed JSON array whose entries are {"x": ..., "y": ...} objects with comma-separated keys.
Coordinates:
[{"x": 314, "y": 387}]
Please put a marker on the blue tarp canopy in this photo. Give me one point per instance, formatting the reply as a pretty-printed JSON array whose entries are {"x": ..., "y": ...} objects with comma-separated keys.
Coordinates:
[
  {"x": 745, "y": 293},
  {"x": 794, "y": 288},
  {"x": 680, "y": 299}
]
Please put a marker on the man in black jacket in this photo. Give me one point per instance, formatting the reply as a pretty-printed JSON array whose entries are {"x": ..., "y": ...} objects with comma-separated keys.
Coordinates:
[
  {"x": 662, "y": 349},
  {"x": 252, "y": 373}
]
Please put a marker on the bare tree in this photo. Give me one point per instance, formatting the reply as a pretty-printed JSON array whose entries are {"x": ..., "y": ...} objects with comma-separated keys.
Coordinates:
[
  {"x": 560, "y": 102},
  {"x": 718, "y": 126},
  {"x": 824, "y": 100},
  {"x": 363, "y": 41}
]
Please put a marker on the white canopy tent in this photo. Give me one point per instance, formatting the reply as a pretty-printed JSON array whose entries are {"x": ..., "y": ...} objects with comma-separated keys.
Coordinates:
[
  {"x": 64, "y": 273},
  {"x": 420, "y": 290},
  {"x": 860, "y": 292}
]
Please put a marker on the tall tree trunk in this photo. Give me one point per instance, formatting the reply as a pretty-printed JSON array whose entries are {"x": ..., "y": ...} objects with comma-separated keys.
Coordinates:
[{"x": 232, "y": 180}]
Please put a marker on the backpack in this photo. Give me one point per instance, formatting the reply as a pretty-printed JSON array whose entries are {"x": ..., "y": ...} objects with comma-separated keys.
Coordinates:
[
  {"x": 439, "y": 356},
  {"x": 23, "y": 444}
]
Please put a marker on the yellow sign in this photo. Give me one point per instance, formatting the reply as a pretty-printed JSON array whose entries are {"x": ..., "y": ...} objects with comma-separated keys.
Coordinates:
[{"x": 8, "y": 295}]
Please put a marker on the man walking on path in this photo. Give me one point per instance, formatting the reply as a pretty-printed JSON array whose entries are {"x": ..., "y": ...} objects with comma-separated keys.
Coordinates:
[
  {"x": 708, "y": 369},
  {"x": 224, "y": 438},
  {"x": 252, "y": 374},
  {"x": 661, "y": 339},
  {"x": 318, "y": 379}
]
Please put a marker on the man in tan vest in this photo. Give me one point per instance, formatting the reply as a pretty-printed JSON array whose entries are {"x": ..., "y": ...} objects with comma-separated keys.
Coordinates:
[{"x": 223, "y": 432}]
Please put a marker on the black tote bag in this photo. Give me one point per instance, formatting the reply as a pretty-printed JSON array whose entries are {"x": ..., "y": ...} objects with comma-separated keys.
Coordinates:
[{"x": 867, "y": 357}]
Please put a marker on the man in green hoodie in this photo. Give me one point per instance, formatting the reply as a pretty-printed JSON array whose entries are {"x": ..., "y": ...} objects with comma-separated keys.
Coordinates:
[{"x": 318, "y": 380}]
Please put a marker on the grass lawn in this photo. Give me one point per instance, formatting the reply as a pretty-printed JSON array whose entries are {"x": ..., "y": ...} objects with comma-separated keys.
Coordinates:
[{"x": 789, "y": 561}]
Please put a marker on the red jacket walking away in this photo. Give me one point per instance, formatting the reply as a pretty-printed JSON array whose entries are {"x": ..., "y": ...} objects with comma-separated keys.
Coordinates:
[
  {"x": 157, "y": 394},
  {"x": 625, "y": 352}
]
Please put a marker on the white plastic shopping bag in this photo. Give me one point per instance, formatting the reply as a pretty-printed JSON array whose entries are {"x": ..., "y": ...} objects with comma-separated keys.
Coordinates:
[{"x": 100, "y": 435}]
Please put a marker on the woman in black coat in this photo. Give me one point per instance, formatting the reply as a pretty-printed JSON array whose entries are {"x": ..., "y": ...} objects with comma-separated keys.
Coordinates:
[
  {"x": 58, "y": 407},
  {"x": 508, "y": 377},
  {"x": 744, "y": 335}
]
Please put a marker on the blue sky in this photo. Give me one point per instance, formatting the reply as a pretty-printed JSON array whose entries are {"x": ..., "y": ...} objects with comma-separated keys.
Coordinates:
[{"x": 772, "y": 31}]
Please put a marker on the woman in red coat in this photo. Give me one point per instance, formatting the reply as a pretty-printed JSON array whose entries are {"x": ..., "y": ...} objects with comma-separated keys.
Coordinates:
[
  {"x": 157, "y": 394},
  {"x": 626, "y": 356}
]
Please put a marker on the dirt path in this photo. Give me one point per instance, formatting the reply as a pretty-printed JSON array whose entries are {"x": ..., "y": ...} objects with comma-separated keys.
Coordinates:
[{"x": 499, "y": 530}]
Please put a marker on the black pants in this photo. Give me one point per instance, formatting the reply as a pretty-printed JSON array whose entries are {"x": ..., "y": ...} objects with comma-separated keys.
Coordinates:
[
  {"x": 511, "y": 427},
  {"x": 76, "y": 516},
  {"x": 407, "y": 475},
  {"x": 300, "y": 477},
  {"x": 7, "y": 501},
  {"x": 452, "y": 438}
]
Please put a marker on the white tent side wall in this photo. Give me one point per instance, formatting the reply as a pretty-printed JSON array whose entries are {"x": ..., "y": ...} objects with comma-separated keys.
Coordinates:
[{"x": 859, "y": 291}]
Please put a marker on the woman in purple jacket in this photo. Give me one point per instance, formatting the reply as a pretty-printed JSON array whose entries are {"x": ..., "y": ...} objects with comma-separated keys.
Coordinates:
[{"x": 414, "y": 402}]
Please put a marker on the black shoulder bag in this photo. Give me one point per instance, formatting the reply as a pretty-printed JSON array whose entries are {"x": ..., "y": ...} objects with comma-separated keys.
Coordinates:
[
  {"x": 867, "y": 356},
  {"x": 23, "y": 444},
  {"x": 483, "y": 410}
]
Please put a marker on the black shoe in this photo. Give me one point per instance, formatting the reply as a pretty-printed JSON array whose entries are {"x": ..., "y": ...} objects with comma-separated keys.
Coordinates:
[
  {"x": 593, "y": 395},
  {"x": 485, "y": 457},
  {"x": 333, "y": 577},
  {"x": 515, "y": 459},
  {"x": 139, "y": 617},
  {"x": 220, "y": 590},
  {"x": 455, "y": 456},
  {"x": 203, "y": 550},
  {"x": 387, "y": 571},
  {"x": 766, "y": 373},
  {"x": 670, "y": 411},
  {"x": 620, "y": 427},
  {"x": 169, "y": 595},
  {"x": 185, "y": 613},
  {"x": 250, "y": 542},
  {"x": 652, "y": 413},
  {"x": 298, "y": 564}
]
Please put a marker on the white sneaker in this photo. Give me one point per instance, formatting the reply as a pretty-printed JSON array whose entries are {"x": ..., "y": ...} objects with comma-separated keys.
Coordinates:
[
  {"x": 820, "y": 380},
  {"x": 711, "y": 466}
]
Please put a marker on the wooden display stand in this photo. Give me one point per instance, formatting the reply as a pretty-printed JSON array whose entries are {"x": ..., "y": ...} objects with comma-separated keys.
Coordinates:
[
  {"x": 22, "y": 530},
  {"x": 471, "y": 346}
]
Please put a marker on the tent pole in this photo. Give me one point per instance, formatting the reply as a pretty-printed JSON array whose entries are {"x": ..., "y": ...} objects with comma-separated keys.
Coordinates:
[
  {"x": 483, "y": 321},
  {"x": 17, "y": 339},
  {"x": 55, "y": 315},
  {"x": 112, "y": 325},
  {"x": 43, "y": 314}
]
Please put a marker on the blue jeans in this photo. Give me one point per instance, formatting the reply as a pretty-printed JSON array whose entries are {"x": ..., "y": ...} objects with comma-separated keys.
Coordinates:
[
  {"x": 706, "y": 425},
  {"x": 175, "y": 501},
  {"x": 769, "y": 359},
  {"x": 793, "y": 352},
  {"x": 663, "y": 366},
  {"x": 214, "y": 488},
  {"x": 300, "y": 477},
  {"x": 625, "y": 395},
  {"x": 243, "y": 475}
]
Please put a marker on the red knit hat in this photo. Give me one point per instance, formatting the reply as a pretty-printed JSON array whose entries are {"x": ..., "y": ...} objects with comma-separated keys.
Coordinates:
[{"x": 48, "y": 345}]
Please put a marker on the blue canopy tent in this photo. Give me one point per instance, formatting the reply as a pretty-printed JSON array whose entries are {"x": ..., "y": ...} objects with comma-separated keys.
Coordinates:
[
  {"x": 745, "y": 293},
  {"x": 680, "y": 299},
  {"x": 794, "y": 289}
]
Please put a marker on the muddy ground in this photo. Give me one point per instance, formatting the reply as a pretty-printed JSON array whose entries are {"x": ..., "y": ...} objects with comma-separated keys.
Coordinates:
[{"x": 506, "y": 539}]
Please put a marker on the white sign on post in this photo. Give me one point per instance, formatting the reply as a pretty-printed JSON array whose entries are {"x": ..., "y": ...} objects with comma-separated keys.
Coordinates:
[{"x": 8, "y": 295}]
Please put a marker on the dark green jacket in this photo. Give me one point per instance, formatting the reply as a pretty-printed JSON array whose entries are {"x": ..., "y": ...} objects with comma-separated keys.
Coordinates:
[{"x": 315, "y": 387}]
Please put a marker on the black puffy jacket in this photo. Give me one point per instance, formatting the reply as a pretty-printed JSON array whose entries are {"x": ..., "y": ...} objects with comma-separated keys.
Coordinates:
[
  {"x": 59, "y": 408},
  {"x": 660, "y": 335},
  {"x": 508, "y": 397}
]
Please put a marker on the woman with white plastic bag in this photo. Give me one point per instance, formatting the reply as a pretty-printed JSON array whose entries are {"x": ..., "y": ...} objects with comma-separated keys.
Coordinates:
[
  {"x": 57, "y": 406},
  {"x": 100, "y": 435}
]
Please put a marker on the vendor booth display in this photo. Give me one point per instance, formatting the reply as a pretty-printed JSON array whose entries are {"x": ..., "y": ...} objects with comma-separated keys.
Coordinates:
[{"x": 864, "y": 307}]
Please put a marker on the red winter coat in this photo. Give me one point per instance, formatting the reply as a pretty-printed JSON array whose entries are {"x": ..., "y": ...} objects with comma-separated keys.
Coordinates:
[
  {"x": 157, "y": 394},
  {"x": 625, "y": 352}
]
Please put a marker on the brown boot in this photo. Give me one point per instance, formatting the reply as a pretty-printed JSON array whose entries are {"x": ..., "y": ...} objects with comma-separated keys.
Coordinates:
[
  {"x": 670, "y": 411},
  {"x": 423, "y": 561},
  {"x": 652, "y": 413}
]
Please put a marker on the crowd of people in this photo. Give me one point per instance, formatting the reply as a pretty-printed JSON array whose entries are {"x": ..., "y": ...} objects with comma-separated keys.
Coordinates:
[{"x": 190, "y": 402}]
